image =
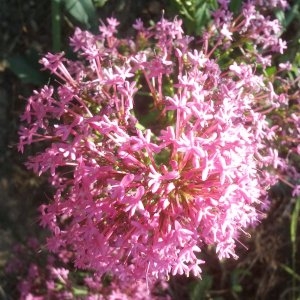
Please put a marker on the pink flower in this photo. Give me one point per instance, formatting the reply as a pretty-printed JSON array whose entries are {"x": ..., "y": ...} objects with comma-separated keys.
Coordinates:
[{"x": 139, "y": 196}]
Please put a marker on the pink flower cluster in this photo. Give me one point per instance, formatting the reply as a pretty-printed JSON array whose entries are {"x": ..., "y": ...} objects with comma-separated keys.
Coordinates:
[
  {"x": 140, "y": 198},
  {"x": 45, "y": 276},
  {"x": 259, "y": 35}
]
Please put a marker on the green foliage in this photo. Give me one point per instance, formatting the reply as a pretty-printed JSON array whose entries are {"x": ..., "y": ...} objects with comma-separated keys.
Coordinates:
[
  {"x": 25, "y": 67},
  {"x": 294, "y": 223},
  {"x": 83, "y": 12},
  {"x": 291, "y": 272},
  {"x": 235, "y": 6},
  {"x": 295, "y": 286},
  {"x": 270, "y": 71},
  {"x": 56, "y": 25},
  {"x": 79, "y": 291},
  {"x": 291, "y": 15},
  {"x": 199, "y": 289},
  {"x": 195, "y": 13},
  {"x": 235, "y": 280},
  {"x": 99, "y": 3}
]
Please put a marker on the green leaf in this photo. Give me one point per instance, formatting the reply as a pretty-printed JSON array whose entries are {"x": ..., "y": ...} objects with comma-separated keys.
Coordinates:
[
  {"x": 56, "y": 25},
  {"x": 281, "y": 17},
  {"x": 235, "y": 6},
  {"x": 235, "y": 277},
  {"x": 201, "y": 15},
  {"x": 82, "y": 11},
  {"x": 99, "y": 3},
  {"x": 185, "y": 10},
  {"x": 196, "y": 13},
  {"x": 26, "y": 70},
  {"x": 291, "y": 14},
  {"x": 290, "y": 271},
  {"x": 294, "y": 221},
  {"x": 199, "y": 289},
  {"x": 78, "y": 291},
  {"x": 270, "y": 71}
]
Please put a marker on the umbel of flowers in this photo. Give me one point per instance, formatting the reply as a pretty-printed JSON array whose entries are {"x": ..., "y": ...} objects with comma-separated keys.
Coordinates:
[{"x": 153, "y": 150}]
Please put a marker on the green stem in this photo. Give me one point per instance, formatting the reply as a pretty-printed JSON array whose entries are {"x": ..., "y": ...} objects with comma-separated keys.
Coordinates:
[{"x": 56, "y": 25}]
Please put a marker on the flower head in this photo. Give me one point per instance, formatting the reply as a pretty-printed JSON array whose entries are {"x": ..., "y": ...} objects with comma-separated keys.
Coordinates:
[{"x": 137, "y": 196}]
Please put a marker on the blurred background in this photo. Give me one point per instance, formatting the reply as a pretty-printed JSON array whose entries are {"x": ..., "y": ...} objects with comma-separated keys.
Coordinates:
[{"x": 267, "y": 269}]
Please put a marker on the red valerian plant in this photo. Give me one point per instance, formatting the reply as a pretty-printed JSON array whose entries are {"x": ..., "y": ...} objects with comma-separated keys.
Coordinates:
[{"x": 153, "y": 149}]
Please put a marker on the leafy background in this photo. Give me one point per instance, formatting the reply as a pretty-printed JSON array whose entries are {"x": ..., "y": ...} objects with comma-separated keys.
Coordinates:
[{"x": 268, "y": 269}]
